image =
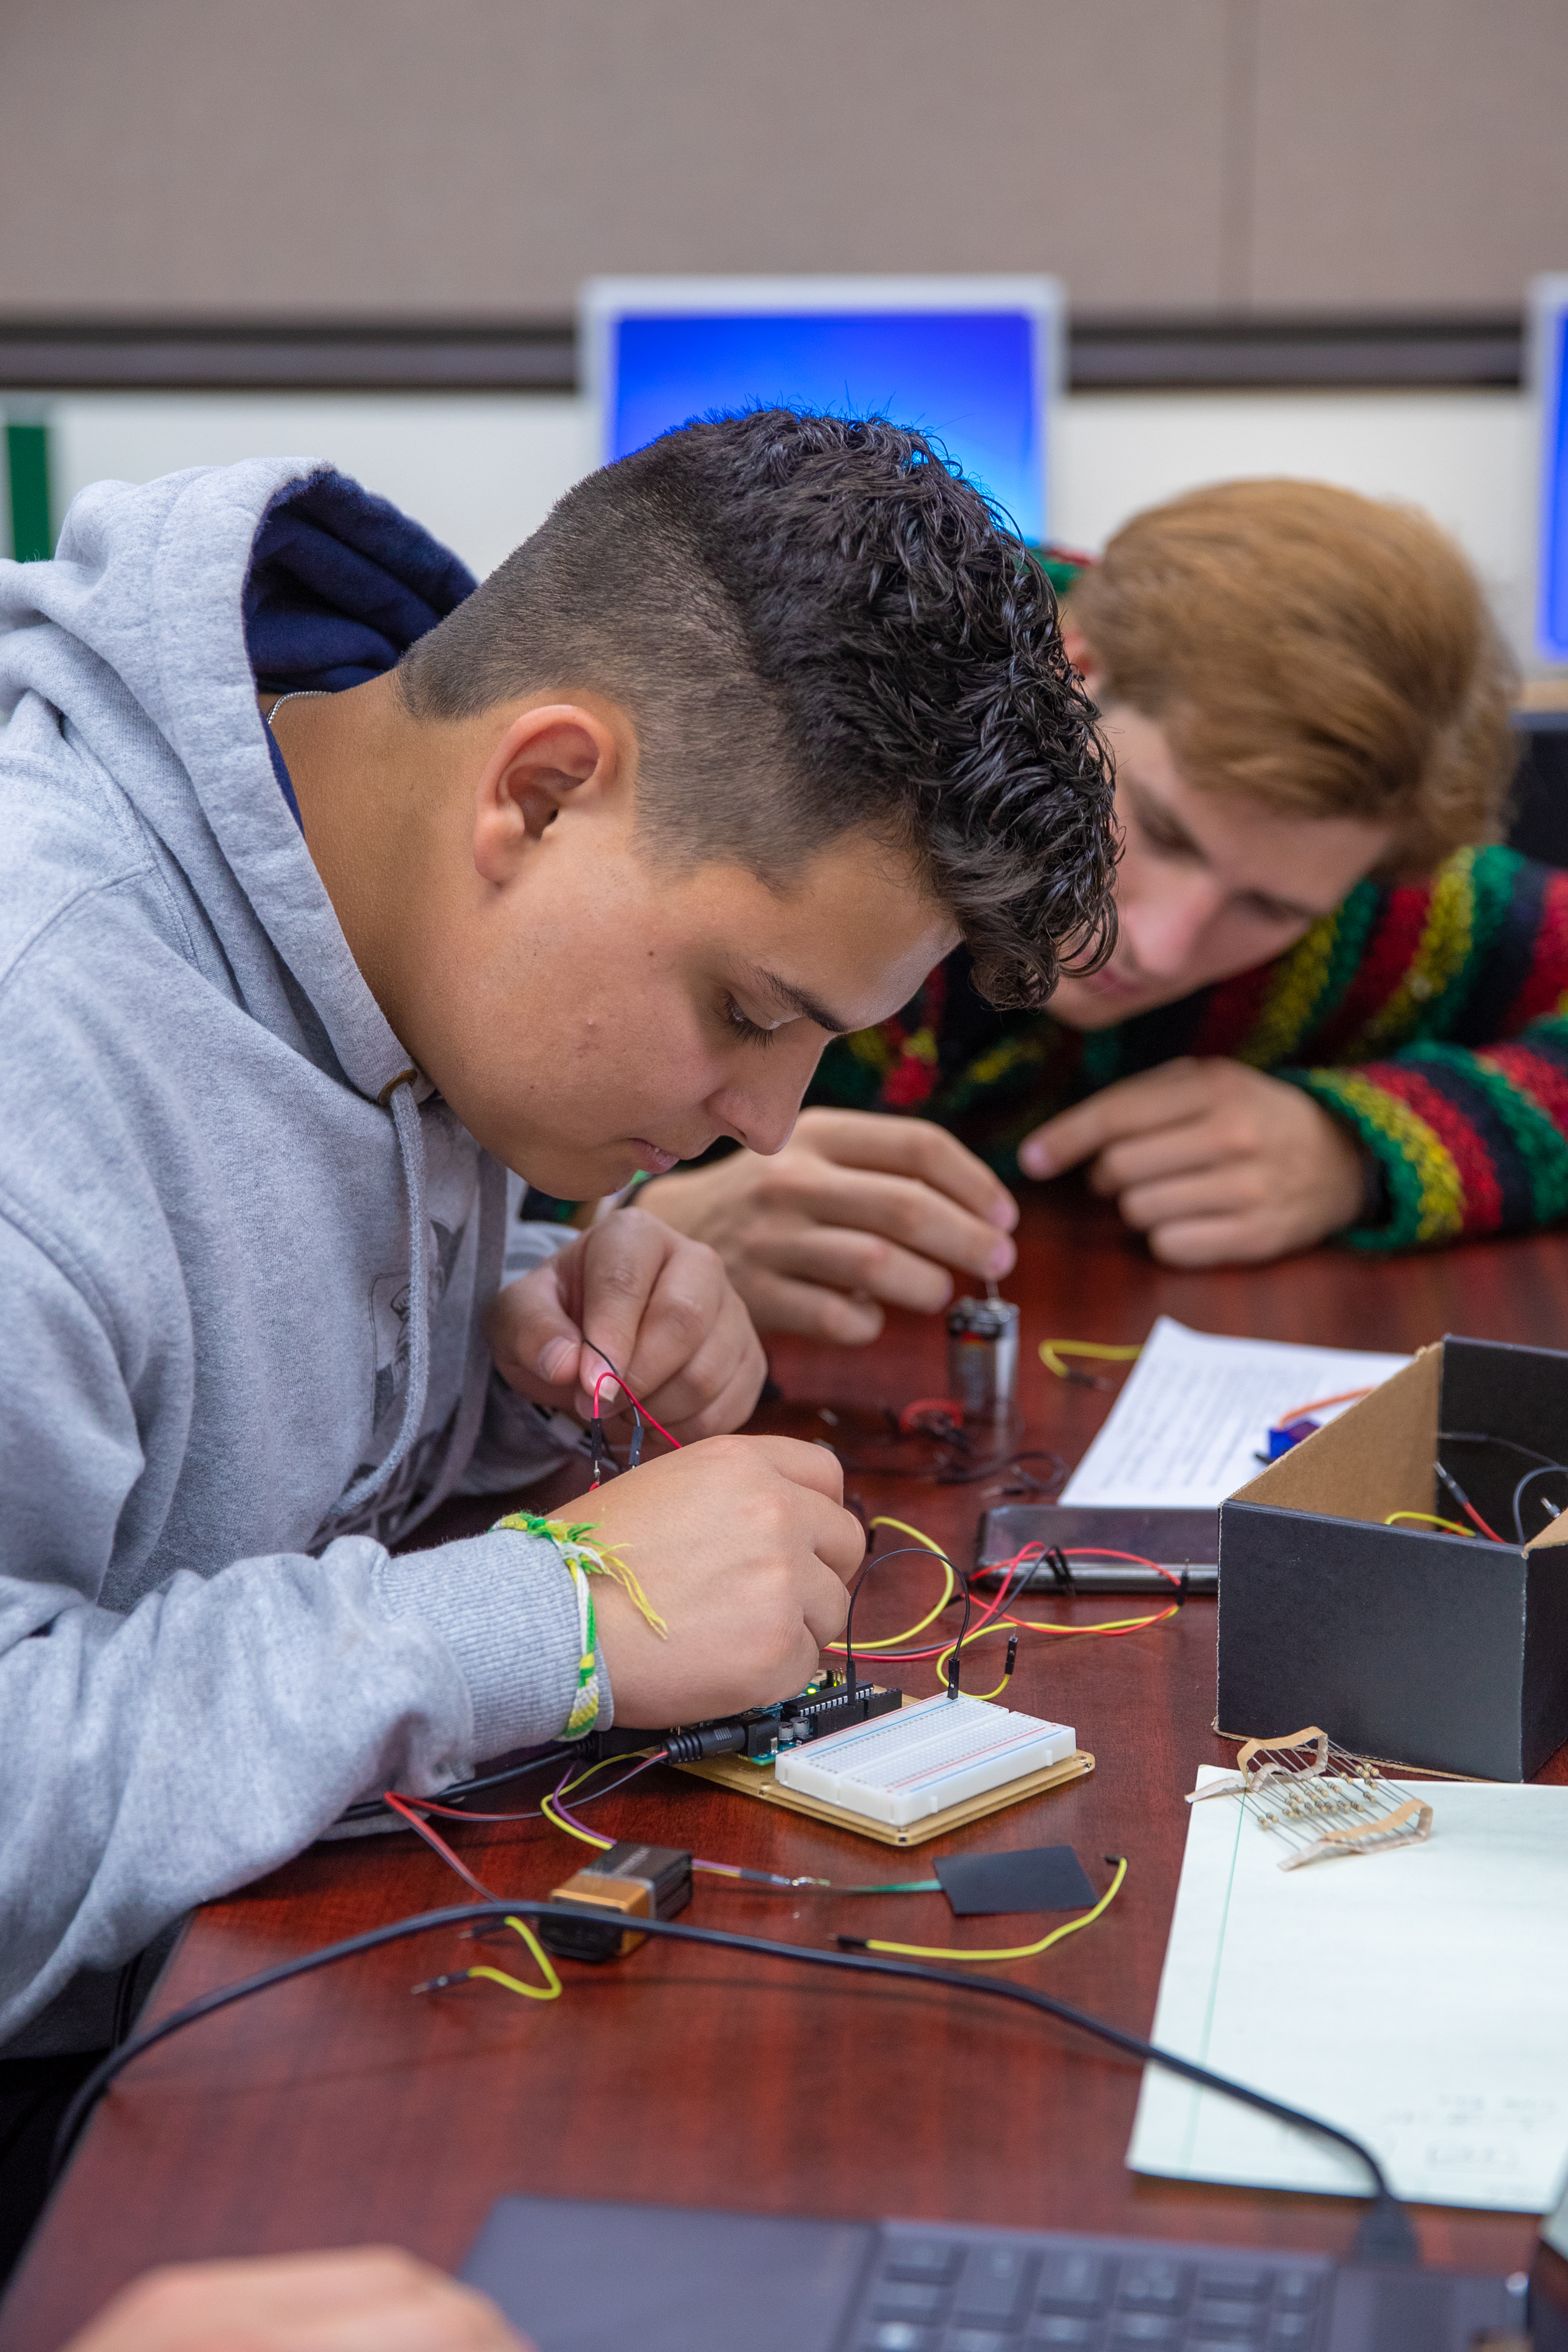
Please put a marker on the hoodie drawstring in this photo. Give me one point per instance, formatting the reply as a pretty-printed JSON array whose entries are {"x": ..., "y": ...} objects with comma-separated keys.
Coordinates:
[{"x": 411, "y": 1146}]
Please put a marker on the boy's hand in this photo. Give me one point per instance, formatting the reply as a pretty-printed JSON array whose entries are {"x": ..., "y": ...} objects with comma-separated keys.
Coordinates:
[
  {"x": 371, "y": 2299},
  {"x": 743, "y": 1547},
  {"x": 659, "y": 1305},
  {"x": 858, "y": 1208},
  {"x": 1217, "y": 1163}
]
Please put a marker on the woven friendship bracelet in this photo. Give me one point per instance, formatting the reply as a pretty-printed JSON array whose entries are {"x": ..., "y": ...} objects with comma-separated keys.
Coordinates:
[{"x": 585, "y": 1559}]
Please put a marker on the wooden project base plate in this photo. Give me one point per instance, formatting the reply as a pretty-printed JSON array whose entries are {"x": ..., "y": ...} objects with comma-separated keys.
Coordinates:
[{"x": 757, "y": 1780}]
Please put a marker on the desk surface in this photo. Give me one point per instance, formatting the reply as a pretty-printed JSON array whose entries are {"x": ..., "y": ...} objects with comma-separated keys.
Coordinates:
[{"x": 339, "y": 2110}]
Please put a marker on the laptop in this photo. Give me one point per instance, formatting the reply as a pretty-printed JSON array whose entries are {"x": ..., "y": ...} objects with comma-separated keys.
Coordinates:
[{"x": 590, "y": 2277}]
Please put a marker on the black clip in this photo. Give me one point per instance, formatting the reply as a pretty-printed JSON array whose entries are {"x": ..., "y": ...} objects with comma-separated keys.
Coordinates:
[
  {"x": 604, "y": 1461},
  {"x": 1055, "y": 1559}
]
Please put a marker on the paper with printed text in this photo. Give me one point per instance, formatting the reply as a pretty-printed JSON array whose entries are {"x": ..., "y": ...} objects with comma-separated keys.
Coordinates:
[{"x": 1196, "y": 1409}]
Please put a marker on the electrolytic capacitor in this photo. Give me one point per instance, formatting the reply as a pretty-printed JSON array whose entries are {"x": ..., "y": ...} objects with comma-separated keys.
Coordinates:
[{"x": 982, "y": 1358}]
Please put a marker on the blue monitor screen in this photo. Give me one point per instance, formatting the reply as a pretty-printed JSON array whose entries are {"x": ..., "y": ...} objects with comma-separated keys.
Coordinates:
[
  {"x": 968, "y": 377},
  {"x": 1552, "y": 627}
]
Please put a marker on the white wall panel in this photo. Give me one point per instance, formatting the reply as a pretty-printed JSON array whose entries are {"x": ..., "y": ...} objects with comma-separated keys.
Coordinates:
[{"x": 482, "y": 472}]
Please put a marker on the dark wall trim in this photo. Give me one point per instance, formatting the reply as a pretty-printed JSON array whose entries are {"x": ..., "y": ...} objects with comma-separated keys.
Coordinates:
[
  {"x": 92, "y": 356},
  {"x": 1107, "y": 354},
  {"x": 1296, "y": 354}
]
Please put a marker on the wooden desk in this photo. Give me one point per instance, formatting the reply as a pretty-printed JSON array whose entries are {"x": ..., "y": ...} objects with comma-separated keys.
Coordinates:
[{"x": 339, "y": 2109}]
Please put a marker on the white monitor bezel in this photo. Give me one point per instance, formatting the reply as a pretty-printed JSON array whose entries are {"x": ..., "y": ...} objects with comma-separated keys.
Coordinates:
[
  {"x": 1544, "y": 377},
  {"x": 604, "y": 300}
]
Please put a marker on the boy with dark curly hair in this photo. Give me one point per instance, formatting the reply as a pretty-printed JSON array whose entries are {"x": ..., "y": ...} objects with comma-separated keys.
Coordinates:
[{"x": 333, "y": 888}]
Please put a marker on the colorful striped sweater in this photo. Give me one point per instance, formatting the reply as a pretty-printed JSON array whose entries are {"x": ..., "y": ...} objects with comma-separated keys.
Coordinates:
[{"x": 1432, "y": 1019}]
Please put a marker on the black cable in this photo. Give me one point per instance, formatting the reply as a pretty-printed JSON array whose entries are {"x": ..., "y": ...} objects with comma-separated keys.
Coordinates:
[
  {"x": 899, "y": 1551},
  {"x": 1540, "y": 1471},
  {"x": 1385, "y": 2235},
  {"x": 367, "y": 1808},
  {"x": 865, "y": 1566},
  {"x": 124, "y": 2000},
  {"x": 1000, "y": 1465},
  {"x": 956, "y": 1663},
  {"x": 1484, "y": 1437},
  {"x": 1446, "y": 1478},
  {"x": 604, "y": 1461}
]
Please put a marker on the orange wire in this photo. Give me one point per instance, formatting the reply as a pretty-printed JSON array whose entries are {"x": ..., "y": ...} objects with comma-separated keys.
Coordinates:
[{"x": 1346, "y": 1396}]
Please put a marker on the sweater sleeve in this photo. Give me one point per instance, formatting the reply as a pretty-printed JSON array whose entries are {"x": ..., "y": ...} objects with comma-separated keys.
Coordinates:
[
  {"x": 158, "y": 1755},
  {"x": 1444, "y": 1050},
  {"x": 1471, "y": 1140}
]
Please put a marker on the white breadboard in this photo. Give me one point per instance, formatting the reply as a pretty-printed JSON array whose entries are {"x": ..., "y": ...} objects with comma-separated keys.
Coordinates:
[{"x": 928, "y": 1757}]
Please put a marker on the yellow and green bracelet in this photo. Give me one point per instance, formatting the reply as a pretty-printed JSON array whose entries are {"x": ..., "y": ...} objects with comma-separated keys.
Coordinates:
[{"x": 585, "y": 1559}]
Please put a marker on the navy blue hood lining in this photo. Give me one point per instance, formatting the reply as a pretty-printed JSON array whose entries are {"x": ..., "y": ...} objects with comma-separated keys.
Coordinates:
[
  {"x": 341, "y": 585},
  {"x": 285, "y": 781}
]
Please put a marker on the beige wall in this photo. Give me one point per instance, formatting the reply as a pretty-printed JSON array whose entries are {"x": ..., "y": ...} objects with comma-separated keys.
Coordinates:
[{"x": 463, "y": 156}]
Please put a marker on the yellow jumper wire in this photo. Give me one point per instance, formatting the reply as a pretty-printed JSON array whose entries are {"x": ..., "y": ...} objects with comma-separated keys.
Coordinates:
[
  {"x": 1010, "y": 1952},
  {"x": 996, "y": 1625},
  {"x": 1039, "y": 1625},
  {"x": 950, "y": 1585},
  {"x": 1053, "y": 1351},
  {"x": 573, "y": 1830},
  {"x": 549, "y": 1990}
]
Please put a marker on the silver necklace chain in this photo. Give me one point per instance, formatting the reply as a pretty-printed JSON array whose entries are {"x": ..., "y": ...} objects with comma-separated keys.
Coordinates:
[{"x": 299, "y": 694}]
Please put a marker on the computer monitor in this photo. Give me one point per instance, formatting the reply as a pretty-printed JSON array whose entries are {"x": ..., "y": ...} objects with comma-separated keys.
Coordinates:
[
  {"x": 1549, "y": 381},
  {"x": 974, "y": 362}
]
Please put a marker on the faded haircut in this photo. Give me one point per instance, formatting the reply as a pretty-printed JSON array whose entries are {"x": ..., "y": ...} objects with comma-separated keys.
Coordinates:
[{"x": 817, "y": 627}]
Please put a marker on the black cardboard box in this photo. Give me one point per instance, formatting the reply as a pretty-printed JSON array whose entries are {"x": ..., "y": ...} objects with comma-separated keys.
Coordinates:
[{"x": 1410, "y": 1644}]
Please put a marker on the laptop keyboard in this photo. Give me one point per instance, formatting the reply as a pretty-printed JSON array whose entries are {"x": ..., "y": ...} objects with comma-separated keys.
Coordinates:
[{"x": 948, "y": 2291}]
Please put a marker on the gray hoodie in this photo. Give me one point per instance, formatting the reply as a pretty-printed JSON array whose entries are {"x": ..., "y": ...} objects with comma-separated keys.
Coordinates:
[{"x": 244, "y": 1254}]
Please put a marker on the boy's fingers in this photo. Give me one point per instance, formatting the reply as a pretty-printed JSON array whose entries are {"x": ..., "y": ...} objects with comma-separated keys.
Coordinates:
[
  {"x": 1213, "y": 1241},
  {"x": 454, "y": 2320},
  {"x": 1166, "y": 1097},
  {"x": 716, "y": 1382},
  {"x": 836, "y": 1258},
  {"x": 911, "y": 1147},
  {"x": 901, "y": 1209},
  {"x": 778, "y": 1303},
  {"x": 825, "y": 1605},
  {"x": 1184, "y": 1147},
  {"x": 808, "y": 1465},
  {"x": 1227, "y": 1190},
  {"x": 836, "y": 1536},
  {"x": 376, "y": 2298},
  {"x": 532, "y": 1334},
  {"x": 730, "y": 1407},
  {"x": 622, "y": 1261},
  {"x": 690, "y": 1314}
]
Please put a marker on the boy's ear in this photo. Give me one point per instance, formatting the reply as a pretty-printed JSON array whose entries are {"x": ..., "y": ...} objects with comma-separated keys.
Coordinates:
[
  {"x": 1082, "y": 655},
  {"x": 557, "y": 753}
]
